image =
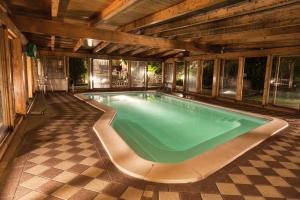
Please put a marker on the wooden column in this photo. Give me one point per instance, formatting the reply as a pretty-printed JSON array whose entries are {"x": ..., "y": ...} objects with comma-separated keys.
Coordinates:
[
  {"x": 163, "y": 73},
  {"x": 5, "y": 78},
  {"x": 110, "y": 73},
  {"x": 291, "y": 77},
  {"x": 146, "y": 76},
  {"x": 184, "y": 89},
  {"x": 29, "y": 76},
  {"x": 215, "y": 87},
  {"x": 19, "y": 77},
  {"x": 265, "y": 98},
  {"x": 199, "y": 77},
  {"x": 240, "y": 77},
  {"x": 129, "y": 74},
  {"x": 174, "y": 77},
  {"x": 276, "y": 80}
]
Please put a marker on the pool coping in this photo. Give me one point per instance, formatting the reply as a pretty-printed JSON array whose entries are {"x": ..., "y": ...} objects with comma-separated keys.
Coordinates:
[{"x": 191, "y": 170}]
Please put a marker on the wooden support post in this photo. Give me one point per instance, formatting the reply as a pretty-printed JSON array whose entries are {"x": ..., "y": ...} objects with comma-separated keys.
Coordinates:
[
  {"x": 185, "y": 86},
  {"x": 129, "y": 74},
  {"x": 29, "y": 76},
  {"x": 146, "y": 76},
  {"x": 163, "y": 73},
  {"x": 240, "y": 77},
  {"x": 265, "y": 98},
  {"x": 276, "y": 80},
  {"x": 174, "y": 77},
  {"x": 291, "y": 77},
  {"x": 5, "y": 78},
  {"x": 215, "y": 87},
  {"x": 199, "y": 76},
  {"x": 19, "y": 77},
  {"x": 110, "y": 73}
]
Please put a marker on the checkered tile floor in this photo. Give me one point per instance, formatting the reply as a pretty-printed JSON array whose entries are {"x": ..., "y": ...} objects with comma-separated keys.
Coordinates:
[{"x": 64, "y": 160}]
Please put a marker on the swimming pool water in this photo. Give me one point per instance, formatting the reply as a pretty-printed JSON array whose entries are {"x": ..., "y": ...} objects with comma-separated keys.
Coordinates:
[{"x": 167, "y": 129}]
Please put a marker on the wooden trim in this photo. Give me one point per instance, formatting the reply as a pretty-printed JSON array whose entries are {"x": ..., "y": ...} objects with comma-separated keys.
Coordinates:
[
  {"x": 129, "y": 74},
  {"x": 200, "y": 76},
  {"x": 276, "y": 80},
  {"x": 266, "y": 91},
  {"x": 163, "y": 73},
  {"x": 240, "y": 79}
]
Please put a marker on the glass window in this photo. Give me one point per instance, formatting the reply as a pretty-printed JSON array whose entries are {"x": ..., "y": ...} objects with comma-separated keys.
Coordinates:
[
  {"x": 138, "y": 73},
  {"x": 54, "y": 67},
  {"x": 208, "y": 75},
  {"x": 100, "y": 73},
  {"x": 119, "y": 73},
  {"x": 228, "y": 78},
  {"x": 192, "y": 76},
  {"x": 179, "y": 75},
  {"x": 154, "y": 74},
  {"x": 169, "y": 74},
  {"x": 285, "y": 82},
  {"x": 254, "y": 77}
]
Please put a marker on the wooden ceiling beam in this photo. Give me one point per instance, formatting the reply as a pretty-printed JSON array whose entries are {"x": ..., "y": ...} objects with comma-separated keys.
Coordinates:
[
  {"x": 63, "y": 52},
  {"x": 113, "y": 48},
  {"x": 111, "y": 10},
  {"x": 139, "y": 50},
  {"x": 100, "y": 46},
  {"x": 127, "y": 49},
  {"x": 245, "y": 8},
  {"x": 267, "y": 34},
  {"x": 54, "y": 8},
  {"x": 78, "y": 45},
  {"x": 48, "y": 27},
  {"x": 180, "y": 9},
  {"x": 288, "y": 14},
  {"x": 155, "y": 52}
]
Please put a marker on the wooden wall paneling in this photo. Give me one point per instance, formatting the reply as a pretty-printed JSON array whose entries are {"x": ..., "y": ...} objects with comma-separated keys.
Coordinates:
[
  {"x": 199, "y": 76},
  {"x": 240, "y": 78},
  {"x": 266, "y": 91},
  {"x": 19, "y": 77}
]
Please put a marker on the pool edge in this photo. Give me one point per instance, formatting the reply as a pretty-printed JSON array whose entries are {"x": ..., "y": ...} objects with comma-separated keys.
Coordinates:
[{"x": 191, "y": 170}]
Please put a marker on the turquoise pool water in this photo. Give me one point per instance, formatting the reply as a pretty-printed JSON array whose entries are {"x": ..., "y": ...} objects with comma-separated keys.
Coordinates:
[{"x": 167, "y": 129}]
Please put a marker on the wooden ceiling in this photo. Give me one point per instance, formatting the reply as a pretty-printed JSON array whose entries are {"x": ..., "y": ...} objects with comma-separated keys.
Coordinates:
[{"x": 156, "y": 28}]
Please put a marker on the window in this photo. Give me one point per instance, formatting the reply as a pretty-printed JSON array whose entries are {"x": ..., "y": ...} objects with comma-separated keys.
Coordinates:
[
  {"x": 207, "y": 78},
  {"x": 228, "y": 78},
  {"x": 254, "y": 77},
  {"x": 119, "y": 73},
  {"x": 192, "y": 76},
  {"x": 179, "y": 75},
  {"x": 169, "y": 74},
  {"x": 154, "y": 74},
  {"x": 54, "y": 67},
  {"x": 100, "y": 73},
  {"x": 138, "y": 73},
  {"x": 285, "y": 82}
]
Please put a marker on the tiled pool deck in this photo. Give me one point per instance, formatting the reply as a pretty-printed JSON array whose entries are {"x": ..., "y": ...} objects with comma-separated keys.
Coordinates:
[{"x": 61, "y": 158}]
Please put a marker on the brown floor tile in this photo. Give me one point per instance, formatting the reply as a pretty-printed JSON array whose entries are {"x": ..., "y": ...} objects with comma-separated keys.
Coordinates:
[{"x": 84, "y": 195}]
